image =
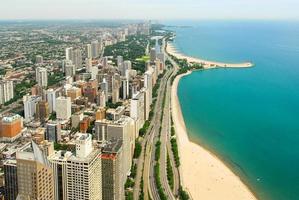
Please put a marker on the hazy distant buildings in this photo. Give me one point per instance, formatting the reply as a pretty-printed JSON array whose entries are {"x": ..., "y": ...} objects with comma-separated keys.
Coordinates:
[{"x": 39, "y": 59}]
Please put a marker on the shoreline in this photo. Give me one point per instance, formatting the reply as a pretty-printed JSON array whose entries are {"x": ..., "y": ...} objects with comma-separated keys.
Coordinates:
[
  {"x": 203, "y": 174},
  {"x": 206, "y": 63}
]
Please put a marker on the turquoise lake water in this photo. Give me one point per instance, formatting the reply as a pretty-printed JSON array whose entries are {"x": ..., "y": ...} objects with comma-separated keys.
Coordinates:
[{"x": 248, "y": 117}]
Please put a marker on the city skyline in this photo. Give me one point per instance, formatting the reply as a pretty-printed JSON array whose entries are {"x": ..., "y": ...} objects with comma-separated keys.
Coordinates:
[{"x": 133, "y": 9}]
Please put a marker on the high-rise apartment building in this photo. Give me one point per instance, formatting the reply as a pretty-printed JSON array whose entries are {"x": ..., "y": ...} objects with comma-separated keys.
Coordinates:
[
  {"x": 137, "y": 111},
  {"x": 63, "y": 108},
  {"x": 6, "y": 91},
  {"x": 51, "y": 99},
  {"x": 30, "y": 103},
  {"x": 41, "y": 75},
  {"x": 94, "y": 49},
  {"x": 123, "y": 129}
]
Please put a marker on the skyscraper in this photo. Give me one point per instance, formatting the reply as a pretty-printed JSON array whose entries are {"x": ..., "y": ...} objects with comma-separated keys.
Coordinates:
[
  {"x": 53, "y": 131},
  {"x": 123, "y": 129},
  {"x": 77, "y": 58},
  {"x": 78, "y": 176},
  {"x": 51, "y": 98},
  {"x": 89, "y": 51},
  {"x": 11, "y": 179},
  {"x": 41, "y": 76},
  {"x": 42, "y": 110},
  {"x": 153, "y": 55},
  {"x": 30, "y": 103},
  {"x": 6, "y": 91},
  {"x": 94, "y": 49},
  {"x": 69, "y": 53},
  {"x": 63, "y": 108},
  {"x": 112, "y": 171},
  {"x": 137, "y": 109},
  {"x": 35, "y": 176}
]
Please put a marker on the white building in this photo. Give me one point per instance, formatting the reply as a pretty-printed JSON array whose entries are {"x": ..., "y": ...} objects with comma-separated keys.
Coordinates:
[
  {"x": 6, "y": 91},
  {"x": 69, "y": 53},
  {"x": 123, "y": 129},
  {"x": 41, "y": 75},
  {"x": 51, "y": 99},
  {"x": 79, "y": 175},
  {"x": 63, "y": 108},
  {"x": 137, "y": 111},
  {"x": 30, "y": 102}
]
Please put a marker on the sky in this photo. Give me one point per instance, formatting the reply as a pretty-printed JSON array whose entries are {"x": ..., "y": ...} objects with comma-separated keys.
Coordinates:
[{"x": 149, "y": 9}]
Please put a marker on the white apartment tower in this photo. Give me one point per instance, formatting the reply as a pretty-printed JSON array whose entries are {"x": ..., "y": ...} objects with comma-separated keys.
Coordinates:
[
  {"x": 41, "y": 75},
  {"x": 137, "y": 110},
  {"x": 30, "y": 106},
  {"x": 6, "y": 91},
  {"x": 51, "y": 99}
]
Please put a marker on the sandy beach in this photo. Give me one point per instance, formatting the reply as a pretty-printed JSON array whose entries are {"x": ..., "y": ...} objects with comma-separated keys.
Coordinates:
[
  {"x": 207, "y": 64},
  {"x": 203, "y": 174}
]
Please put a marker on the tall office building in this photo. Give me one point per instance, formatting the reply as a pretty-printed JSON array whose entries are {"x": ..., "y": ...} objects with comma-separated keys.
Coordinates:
[
  {"x": 35, "y": 176},
  {"x": 10, "y": 180},
  {"x": 41, "y": 76},
  {"x": 51, "y": 99},
  {"x": 11, "y": 126},
  {"x": 112, "y": 171},
  {"x": 63, "y": 108},
  {"x": 6, "y": 91},
  {"x": 42, "y": 111},
  {"x": 30, "y": 103},
  {"x": 53, "y": 131},
  {"x": 79, "y": 175}
]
